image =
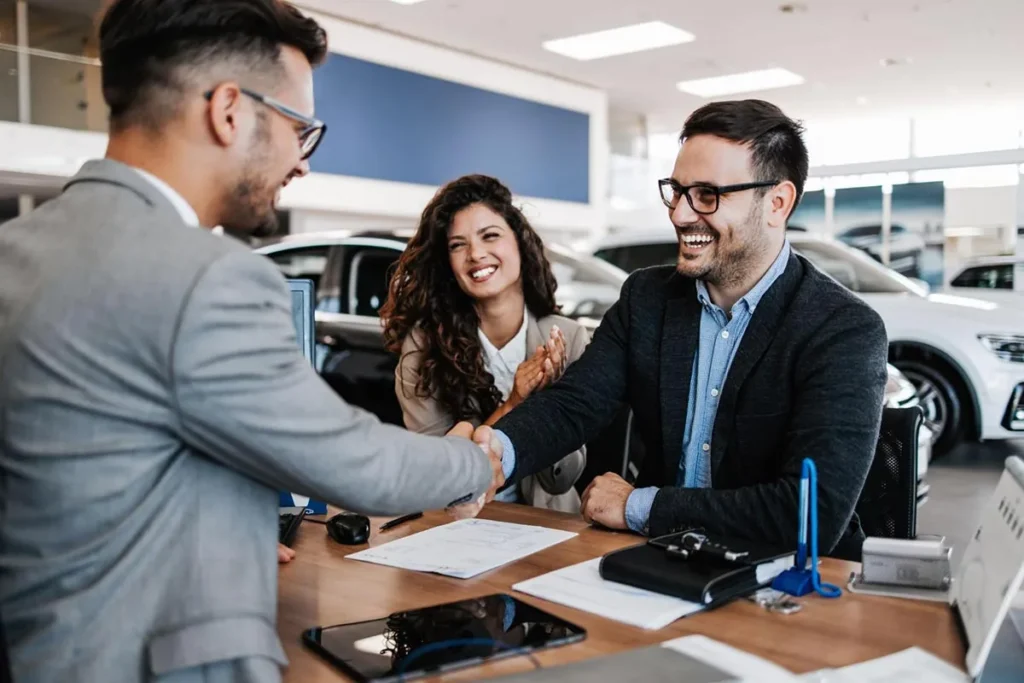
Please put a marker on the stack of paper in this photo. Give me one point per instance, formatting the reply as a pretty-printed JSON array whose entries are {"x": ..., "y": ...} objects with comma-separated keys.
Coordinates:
[
  {"x": 581, "y": 587},
  {"x": 912, "y": 665},
  {"x": 465, "y": 548}
]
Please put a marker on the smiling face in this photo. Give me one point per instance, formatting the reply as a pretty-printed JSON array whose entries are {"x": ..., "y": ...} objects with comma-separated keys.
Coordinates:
[
  {"x": 721, "y": 247},
  {"x": 483, "y": 253}
]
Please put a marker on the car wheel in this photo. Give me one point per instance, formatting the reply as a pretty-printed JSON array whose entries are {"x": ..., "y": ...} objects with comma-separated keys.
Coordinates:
[{"x": 942, "y": 405}]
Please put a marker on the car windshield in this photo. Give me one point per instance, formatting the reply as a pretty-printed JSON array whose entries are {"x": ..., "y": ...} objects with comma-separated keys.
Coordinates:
[
  {"x": 853, "y": 269},
  {"x": 587, "y": 287}
]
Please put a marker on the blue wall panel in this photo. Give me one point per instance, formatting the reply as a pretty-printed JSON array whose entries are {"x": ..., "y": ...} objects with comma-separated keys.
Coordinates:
[{"x": 389, "y": 124}]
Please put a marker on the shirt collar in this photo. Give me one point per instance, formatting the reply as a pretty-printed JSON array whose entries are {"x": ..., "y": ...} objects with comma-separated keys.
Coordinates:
[
  {"x": 752, "y": 298},
  {"x": 184, "y": 209},
  {"x": 512, "y": 353}
]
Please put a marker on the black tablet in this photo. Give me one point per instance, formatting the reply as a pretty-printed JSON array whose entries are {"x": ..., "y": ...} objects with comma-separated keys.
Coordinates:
[{"x": 424, "y": 642}]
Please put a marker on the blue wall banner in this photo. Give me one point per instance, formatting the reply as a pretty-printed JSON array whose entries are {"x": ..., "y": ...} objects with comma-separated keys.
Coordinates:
[{"x": 385, "y": 123}]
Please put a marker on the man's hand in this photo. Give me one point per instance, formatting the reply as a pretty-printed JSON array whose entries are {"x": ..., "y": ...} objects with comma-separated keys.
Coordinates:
[
  {"x": 604, "y": 501},
  {"x": 284, "y": 554},
  {"x": 485, "y": 438},
  {"x": 463, "y": 429},
  {"x": 488, "y": 441}
]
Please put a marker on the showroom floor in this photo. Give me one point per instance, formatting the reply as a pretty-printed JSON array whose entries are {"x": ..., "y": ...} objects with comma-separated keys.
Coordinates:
[{"x": 962, "y": 483}]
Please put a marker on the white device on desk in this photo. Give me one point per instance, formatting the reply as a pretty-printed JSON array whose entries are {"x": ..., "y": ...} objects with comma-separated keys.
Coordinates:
[{"x": 988, "y": 582}]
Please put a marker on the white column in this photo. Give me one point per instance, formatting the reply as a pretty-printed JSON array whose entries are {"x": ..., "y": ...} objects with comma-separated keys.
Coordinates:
[
  {"x": 830, "y": 209},
  {"x": 24, "y": 89},
  {"x": 886, "y": 221}
]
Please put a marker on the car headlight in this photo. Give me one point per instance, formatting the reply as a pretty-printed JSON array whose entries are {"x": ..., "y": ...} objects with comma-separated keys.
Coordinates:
[{"x": 1009, "y": 347}]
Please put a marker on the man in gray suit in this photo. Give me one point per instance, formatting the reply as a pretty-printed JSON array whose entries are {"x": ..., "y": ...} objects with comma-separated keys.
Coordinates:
[{"x": 153, "y": 399}]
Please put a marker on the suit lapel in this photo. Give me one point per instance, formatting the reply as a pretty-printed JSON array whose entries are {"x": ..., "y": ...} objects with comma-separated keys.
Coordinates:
[
  {"x": 680, "y": 336},
  {"x": 760, "y": 332},
  {"x": 534, "y": 336}
]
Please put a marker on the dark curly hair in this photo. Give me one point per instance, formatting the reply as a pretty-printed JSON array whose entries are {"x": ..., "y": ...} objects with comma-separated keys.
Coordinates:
[{"x": 424, "y": 294}]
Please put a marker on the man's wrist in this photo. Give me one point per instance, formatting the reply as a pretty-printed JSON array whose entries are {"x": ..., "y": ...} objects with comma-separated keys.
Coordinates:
[{"x": 638, "y": 508}]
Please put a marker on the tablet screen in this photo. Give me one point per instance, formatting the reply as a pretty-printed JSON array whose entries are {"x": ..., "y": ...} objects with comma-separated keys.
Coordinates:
[{"x": 420, "y": 642}]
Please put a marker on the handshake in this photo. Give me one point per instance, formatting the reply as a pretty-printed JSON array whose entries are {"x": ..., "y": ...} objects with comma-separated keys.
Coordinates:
[{"x": 487, "y": 440}]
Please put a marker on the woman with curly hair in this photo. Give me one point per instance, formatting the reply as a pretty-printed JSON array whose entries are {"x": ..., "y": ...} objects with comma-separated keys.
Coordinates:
[{"x": 471, "y": 312}]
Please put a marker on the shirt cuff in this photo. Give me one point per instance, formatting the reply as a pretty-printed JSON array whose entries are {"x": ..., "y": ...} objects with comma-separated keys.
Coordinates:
[
  {"x": 508, "y": 453},
  {"x": 638, "y": 508}
]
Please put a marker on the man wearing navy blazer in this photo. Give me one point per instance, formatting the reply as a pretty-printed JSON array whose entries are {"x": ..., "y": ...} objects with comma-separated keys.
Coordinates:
[{"x": 738, "y": 362}]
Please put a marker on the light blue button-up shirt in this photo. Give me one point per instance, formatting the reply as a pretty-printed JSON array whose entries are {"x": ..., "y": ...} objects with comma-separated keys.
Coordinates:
[{"x": 720, "y": 337}]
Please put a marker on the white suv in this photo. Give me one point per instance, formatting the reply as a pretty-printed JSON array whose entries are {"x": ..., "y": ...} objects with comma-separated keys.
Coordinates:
[{"x": 965, "y": 355}]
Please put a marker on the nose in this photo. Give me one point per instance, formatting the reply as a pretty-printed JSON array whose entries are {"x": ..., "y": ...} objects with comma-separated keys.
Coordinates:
[
  {"x": 683, "y": 214},
  {"x": 302, "y": 169},
  {"x": 476, "y": 251}
]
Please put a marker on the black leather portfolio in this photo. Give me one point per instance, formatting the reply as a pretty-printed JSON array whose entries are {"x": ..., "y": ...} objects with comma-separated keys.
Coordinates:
[{"x": 708, "y": 570}]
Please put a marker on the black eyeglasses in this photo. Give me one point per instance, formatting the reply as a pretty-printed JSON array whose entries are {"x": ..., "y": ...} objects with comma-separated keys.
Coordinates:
[
  {"x": 702, "y": 198},
  {"x": 313, "y": 129}
]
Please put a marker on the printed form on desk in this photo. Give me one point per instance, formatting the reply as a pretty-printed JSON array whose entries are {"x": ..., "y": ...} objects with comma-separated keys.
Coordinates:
[
  {"x": 581, "y": 587},
  {"x": 465, "y": 548}
]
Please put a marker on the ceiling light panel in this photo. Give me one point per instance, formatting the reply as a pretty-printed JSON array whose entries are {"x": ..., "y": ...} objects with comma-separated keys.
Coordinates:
[
  {"x": 750, "y": 81},
  {"x": 406, "y": 2},
  {"x": 619, "y": 41}
]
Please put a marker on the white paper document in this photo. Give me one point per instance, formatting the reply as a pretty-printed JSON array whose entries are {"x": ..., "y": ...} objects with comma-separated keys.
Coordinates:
[
  {"x": 580, "y": 586},
  {"x": 465, "y": 548},
  {"x": 912, "y": 665},
  {"x": 745, "y": 666}
]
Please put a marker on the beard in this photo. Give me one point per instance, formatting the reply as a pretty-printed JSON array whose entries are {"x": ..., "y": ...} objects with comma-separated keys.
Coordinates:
[
  {"x": 250, "y": 207},
  {"x": 724, "y": 263}
]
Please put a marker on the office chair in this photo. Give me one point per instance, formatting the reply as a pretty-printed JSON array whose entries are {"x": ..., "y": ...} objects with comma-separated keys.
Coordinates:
[{"x": 888, "y": 503}]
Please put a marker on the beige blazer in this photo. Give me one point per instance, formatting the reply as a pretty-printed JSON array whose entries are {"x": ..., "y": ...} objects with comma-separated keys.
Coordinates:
[{"x": 551, "y": 488}]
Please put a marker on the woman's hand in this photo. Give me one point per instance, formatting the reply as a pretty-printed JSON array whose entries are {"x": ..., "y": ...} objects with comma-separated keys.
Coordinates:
[{"x": 546, "y": 366}]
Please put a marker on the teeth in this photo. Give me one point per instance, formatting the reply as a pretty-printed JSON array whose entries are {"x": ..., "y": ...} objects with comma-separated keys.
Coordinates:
[
  {"x": 697, "y": 240},
  {"x": 482, "y": 273}
]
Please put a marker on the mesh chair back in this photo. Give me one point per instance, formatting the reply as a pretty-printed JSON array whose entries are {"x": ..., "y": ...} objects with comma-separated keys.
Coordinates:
[{"x": 888, "y": 504}]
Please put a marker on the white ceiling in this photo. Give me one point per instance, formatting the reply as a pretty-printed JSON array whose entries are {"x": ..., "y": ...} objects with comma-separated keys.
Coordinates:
[{"x": 951, "y": 53}]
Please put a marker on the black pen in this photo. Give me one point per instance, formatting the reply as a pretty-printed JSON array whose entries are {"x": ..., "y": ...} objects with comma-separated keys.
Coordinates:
[{"x": 404, "y": 518}]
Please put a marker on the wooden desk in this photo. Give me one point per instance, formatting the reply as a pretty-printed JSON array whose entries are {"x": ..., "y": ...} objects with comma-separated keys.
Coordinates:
[{"x": 321, "y": 588}]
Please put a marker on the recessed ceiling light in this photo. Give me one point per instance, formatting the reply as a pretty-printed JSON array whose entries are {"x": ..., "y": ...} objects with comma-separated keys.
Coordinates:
[
  {"x": 406, "y": 2},
  {"x": 750, "y": 81},
  {"x": 619, "y": 41}
]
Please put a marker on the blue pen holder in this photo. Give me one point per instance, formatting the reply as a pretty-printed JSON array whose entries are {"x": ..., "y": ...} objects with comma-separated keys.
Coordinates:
[{"x": 799, "y": 580}]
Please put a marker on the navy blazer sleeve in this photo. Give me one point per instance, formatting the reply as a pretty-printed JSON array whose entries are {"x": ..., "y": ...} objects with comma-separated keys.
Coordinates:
[
  {"x": 575, "y": 409},
  {"x": 835, "y": 419}
]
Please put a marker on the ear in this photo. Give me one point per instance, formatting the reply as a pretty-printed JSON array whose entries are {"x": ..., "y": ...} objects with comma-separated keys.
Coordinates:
[
  {"x": 224, "y": 113},
  {"x": 781, "y": 200}
]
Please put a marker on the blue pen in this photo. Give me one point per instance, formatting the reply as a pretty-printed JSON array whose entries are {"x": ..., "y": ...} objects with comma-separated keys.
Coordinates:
[{"x": 801, "y": 547}]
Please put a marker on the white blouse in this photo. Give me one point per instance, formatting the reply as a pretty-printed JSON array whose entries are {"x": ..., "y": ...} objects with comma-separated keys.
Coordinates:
[{"x": 503, "y": 363}]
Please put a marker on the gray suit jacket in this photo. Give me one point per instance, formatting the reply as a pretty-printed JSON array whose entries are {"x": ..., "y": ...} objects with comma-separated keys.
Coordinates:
[
  {"x": 153, "y": 401},
  {"x": 552, "y": 487}
]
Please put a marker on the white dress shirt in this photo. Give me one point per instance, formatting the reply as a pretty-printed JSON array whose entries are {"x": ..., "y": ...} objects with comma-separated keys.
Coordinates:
[
  {"x": 184, "y": 209},
  {"x": 503, "y": 363}
]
